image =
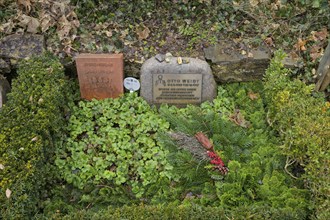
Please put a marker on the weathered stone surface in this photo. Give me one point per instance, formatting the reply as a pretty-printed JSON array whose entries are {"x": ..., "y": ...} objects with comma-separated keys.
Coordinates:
[
  {"x": 232, "y": 64},
  {"x": 323, "y": 71},
  {"x": 14, "y": 47},
  {"x": 100, "y": 75},
  {"x": 4, "y": 67},
  {"x": 170, "y": 82},
  {"x": 292, "y": 61},
  {"x": 4, "y": 89}
]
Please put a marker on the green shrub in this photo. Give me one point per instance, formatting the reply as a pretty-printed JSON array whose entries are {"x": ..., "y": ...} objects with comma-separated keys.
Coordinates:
[
  {"x": 111, "y": 151},
  {"x": 30, "y": 122},
  {"x": 302, "y": 119}
]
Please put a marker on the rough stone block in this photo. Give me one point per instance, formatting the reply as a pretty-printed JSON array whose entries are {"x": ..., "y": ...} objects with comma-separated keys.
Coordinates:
[
  {"x": 232, "y": 64},
  {"x": 18, "y": 46},
  {"x": 4, "y": 67},
  {"x": 4, "y": 89},
  {"x": 178, "y": 81},
  {"x": 100, "y": 75}
]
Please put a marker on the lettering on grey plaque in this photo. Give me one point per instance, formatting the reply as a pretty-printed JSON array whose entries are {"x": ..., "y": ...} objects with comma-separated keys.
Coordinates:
[{"x": 177, "y": 88}]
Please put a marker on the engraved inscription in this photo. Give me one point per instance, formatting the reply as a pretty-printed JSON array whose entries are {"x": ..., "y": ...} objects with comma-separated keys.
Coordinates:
[
  {"x": 97, "y": 78},
  {"x": 177, "y": 88},
  {"x": 100, "y": 75}
]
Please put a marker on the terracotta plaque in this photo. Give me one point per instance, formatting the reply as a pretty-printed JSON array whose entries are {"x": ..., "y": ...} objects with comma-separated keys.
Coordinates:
[
  {"x": 177, "y": 88},
  {"x": 100, "y": 75}
]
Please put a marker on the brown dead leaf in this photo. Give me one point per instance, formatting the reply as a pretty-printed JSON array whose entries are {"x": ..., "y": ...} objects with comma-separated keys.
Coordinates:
[
  {"x": 319, "y": 35},
  {"x": 73, "y": 18},
  {"x": 64, "y": 27},
  {"x": 269, "y": 41},
  {"x": 253, "y": 95},
  {"x": 58, "y": 8},
  {"x": 293, "y": 55},
  {"x": 33, "y": 26},
  {"x": 108, "y": 33},
  {"x": 239, "y": 119},
  {"x": 25, "y": 3},
  {"x": 7, "y": 27},
  {"x": 46, "y": 21},
  {"x": 254, "y": 3},
  {"x": 143, "y": 32},
  {"x": 23, "y": 20},
  {"x": 316, "y": 52},
  {"x": 300, "y": 45}
]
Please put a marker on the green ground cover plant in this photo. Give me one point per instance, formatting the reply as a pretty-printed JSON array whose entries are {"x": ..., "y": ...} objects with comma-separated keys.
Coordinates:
[
  {"x": 111, "y": 152},
  {"x": 31, "y": 121}
]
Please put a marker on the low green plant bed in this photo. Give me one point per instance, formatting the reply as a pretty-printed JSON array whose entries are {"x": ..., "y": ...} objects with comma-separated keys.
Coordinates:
[
  {"x": 111, "y": 152},
  {"x": 119, "y": 158}
]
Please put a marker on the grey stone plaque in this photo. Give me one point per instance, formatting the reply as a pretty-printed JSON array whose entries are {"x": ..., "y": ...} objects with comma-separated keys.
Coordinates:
[
  {"x": 177, "y": 81},
  {"x": 177, "y": 88}
]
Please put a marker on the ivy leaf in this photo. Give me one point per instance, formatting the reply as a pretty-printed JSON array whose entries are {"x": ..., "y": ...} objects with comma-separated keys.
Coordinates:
[{"x": 8, "y": 193}]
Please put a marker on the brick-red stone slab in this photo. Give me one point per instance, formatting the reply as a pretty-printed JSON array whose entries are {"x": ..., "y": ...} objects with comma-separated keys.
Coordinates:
[{"x": 100, "y": 75}]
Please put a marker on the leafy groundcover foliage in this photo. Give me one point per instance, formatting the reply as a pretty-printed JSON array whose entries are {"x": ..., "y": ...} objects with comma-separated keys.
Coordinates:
[
  {"x": 111, "y": 152},
  {"x": 30, "y": 122}
]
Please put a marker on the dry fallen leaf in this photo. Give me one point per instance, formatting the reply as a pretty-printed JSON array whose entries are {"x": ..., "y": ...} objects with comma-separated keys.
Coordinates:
[
  {"x": 143, "y": 32},
  {"x": 269, "y": 41},
  {"x": 8, "y": 193},
  {"x": 254, "y": 3},
  {"x": 316, "y": 52},
  {"x": 2, "y": 167},
  {"x": 320, "y": 35},
  {"x": 63, "y": 28},
  {"x": 46, "y": 21},
  {"x": 300, "y": 45},
  {"x": 239, "y": 119},
  {"x": 25, "y": 3},
  {"x": 33, "y": 26},
  {"x": 7, "y": 27},
  {"x": 253, "y": 95}
]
